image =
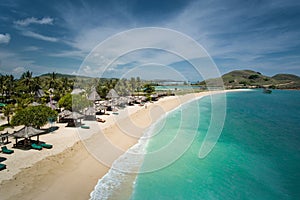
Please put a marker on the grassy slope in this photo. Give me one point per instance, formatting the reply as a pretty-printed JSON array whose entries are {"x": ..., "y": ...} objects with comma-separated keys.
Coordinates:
[{"x": 249, "y": 78}]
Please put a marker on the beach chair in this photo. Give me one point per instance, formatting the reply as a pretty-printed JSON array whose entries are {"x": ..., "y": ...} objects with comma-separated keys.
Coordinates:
[
  {"x": 85, "y": 127},
  {"x": 47, "y": 146},
  {"x": 37, "y": 147},
  {"x": 100, "y": 120},
  {"x": 6, "y": 150},
  {"x": 2, "y": 159},
  {"x": 2, "y": 166}
]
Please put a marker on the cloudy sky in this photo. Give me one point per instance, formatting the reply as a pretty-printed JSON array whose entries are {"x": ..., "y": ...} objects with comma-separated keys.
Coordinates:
[{"x": 46, "y": 36}]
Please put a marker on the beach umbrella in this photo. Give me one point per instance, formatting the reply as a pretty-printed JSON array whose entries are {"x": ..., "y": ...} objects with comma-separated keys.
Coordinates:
[
  {"x": 90, "y": 111},
  {"x": 27, "y": 132},
  {"x": 51, "y": 105},
  {"x": 35, "y": 104},
  {"x": 74, "y": 115},
  {"x": 94, "y": 96},
  {"x": 65, "y": 113},
  {"x": 77, "y": 91},
  {"x": 112, "y": 94},
  {"x": 39, "y": 93}
]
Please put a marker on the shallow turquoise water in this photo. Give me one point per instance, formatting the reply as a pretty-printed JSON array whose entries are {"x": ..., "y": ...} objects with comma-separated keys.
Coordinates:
[{"x": 256, "y": 157}]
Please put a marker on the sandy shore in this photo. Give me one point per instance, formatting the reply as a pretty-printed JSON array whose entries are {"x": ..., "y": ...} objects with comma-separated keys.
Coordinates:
[{"x": 69, "y": 170}]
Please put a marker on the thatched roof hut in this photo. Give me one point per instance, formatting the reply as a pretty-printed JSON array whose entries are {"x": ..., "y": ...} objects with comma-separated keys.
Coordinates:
[
  {"x": 77, "y": 91},
  {"x": 94, "y": 96},
  {"x": 27, "y": 132},
  {"x": 75, "y": 115},
  {"x": 112, "y": 94},
  {"x": 39, "y": 93}
]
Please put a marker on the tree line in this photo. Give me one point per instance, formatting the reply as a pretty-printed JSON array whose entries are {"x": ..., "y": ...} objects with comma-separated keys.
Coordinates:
[{"x": 21, "y": 92}]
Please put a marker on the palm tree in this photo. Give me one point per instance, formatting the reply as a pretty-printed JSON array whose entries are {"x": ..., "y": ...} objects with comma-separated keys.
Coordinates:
[
  {"x": 53, "y": 81},
  {"x": 10, "y": 82},
  {"x": 2, "y": 78},
  {"x": 8, "y": 111},
  {"x": 27, "y": 80}
]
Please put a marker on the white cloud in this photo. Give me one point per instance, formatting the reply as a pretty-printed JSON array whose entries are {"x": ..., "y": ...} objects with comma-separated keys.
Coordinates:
[
  {"x": 33, "y": 20},
  {"x": 39, "y": 36},
  {"x": 18, "y": 70},
  {"x": 32, "y": 48},
  {"x": 75, "y": 54},
  {"x": 11, "y": 63},
  {"x": 4, "y": 38}
]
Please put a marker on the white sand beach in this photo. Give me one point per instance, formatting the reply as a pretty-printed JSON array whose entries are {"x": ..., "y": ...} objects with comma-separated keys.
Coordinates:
[{"x": 68, "y": 170}]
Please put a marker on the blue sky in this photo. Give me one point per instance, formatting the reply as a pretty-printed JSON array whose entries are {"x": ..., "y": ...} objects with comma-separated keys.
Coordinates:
[{"x": 46, "y": 36}]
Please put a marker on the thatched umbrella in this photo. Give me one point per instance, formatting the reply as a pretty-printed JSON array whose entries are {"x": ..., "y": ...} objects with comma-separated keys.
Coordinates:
[
  {"x": 94, "y": 96},
  {"x": 65, "y": 113},
  {"x": 34, "y": 104},
  {"x": 39, "y": 93},
  {"x": 77, "y": 91},
  {"x": 50, "y": 105},
  {"x": 112, "y": 94},
  {"x": 90, "y": 111},
  {"x": 74, "y": 115},
  {"x": 27, "y": 132}
]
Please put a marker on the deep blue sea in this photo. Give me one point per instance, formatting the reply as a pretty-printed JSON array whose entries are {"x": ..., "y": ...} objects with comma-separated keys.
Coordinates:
[{"x": 256, "y": 157}]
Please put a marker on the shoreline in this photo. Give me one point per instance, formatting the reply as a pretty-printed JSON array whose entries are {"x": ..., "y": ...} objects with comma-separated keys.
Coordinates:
[{"x": 74, "y": 172}]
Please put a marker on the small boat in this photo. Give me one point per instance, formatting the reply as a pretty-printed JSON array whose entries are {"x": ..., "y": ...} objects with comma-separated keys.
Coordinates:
[{"x": 267, "y": 91}]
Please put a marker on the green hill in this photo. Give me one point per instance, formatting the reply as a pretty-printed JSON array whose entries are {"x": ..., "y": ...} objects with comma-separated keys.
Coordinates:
[
  {"x": 58, "y": 75},
  {"x": 252, "y": 79}
]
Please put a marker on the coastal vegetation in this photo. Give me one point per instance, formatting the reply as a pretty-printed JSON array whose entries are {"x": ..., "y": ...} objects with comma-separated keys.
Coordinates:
[
  {"x": 252, "y": 79},
  {"x": 35, "y": 116},
  {"x": 24, "y": 99},
  {"x": 19, "y": 94}
]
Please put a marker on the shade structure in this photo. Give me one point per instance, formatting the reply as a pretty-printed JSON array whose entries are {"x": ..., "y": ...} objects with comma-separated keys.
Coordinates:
[
  {"x": 94, "y": 96},
  {"x": 49, "y": 104},
  {"x": 74, "y": 115},
  {"x": 27, "y": 132},
  {"x": 90, "y": 111},
  {"x": 65, "y": 113},
  {"x": 39, "y": 93},
  {"x": 112, "y": 94},
  {"x": 77, "y": 91},
  {"x": 35, "y": 104}
]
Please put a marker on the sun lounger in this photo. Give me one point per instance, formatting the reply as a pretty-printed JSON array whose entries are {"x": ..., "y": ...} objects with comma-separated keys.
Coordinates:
[
  {"x": 37, "y": 147},
  {"x": 100, "y": 120},
  {"x": 6, "y": 150},
  {"x": 2, "y": 159},
  {"x": 47, "y": 146},
  {"x": 2, "y": 166}
]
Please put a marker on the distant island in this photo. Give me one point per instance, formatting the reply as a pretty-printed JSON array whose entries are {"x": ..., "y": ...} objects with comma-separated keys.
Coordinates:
[{"x": 250, "y": 79}]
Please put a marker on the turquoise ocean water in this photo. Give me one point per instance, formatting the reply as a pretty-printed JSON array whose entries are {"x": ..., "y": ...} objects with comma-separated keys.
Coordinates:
[{"x": 257, "y": 155}]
